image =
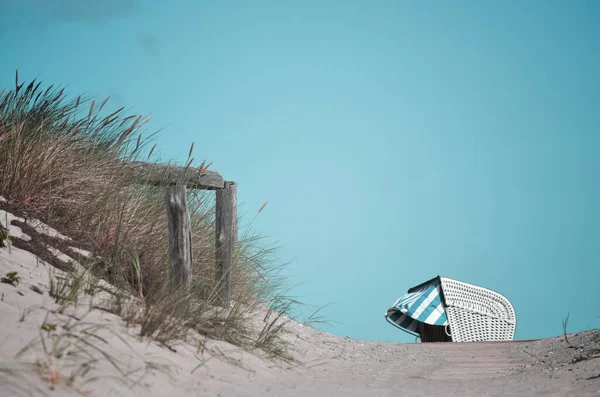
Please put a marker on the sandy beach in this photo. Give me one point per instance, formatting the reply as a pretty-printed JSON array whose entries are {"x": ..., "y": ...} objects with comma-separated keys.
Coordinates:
[{"x": 46, "y": 349}]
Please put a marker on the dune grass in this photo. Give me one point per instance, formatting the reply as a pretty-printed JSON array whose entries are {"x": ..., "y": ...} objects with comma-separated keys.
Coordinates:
[
  {"x": 565, "y": 323},
  {"x": 66, "y": 160}
]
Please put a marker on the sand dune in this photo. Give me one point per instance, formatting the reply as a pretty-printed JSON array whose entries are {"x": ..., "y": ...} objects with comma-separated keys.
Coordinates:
[{"x": 90, "y": 352}]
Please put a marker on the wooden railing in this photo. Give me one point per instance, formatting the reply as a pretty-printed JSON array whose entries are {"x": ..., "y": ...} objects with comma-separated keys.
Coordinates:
[{"x": 176, "y": 181}]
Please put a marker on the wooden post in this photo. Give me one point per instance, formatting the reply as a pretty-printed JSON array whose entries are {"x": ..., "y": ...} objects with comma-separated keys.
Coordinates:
[
  {"x": 176, "y": 179},
  {"x": 180, "y": 236},
  {"x": 226, "y": 225}
]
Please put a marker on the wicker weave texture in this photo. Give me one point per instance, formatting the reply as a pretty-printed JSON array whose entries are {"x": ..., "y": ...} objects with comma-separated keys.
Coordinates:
[{"x": 477, "y": 314}]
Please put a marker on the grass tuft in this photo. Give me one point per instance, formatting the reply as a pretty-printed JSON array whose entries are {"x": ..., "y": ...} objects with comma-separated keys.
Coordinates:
[
  {"x": 565, "y": 322},
  {"x": 11, "y": 278}
]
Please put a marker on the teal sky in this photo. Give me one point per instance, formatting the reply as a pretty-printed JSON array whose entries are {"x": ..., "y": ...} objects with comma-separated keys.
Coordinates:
[{"x": 394, "y": 141}]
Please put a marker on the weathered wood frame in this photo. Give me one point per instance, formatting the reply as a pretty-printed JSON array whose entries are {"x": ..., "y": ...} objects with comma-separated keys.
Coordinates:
[{"x": 176, "y": 180}]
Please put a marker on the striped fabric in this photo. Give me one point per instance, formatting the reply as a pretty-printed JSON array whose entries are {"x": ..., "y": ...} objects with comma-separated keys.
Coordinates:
[{"x": 423, "y": 304}]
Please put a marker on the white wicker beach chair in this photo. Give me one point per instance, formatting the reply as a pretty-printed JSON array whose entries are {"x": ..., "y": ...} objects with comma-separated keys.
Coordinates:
[
  {"x": 476, "y": 313},
  {"x": 464, "y": 312}
]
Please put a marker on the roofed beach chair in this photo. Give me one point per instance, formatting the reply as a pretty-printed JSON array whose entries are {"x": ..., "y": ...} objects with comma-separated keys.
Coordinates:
[{"x": 443, "y": 310}]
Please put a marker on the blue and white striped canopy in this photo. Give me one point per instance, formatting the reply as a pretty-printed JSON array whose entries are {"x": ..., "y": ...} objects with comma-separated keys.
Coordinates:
[{"x": 421, "y": 304}]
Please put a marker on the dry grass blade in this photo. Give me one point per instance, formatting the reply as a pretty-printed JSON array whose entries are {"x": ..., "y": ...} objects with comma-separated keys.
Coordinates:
[
  {"x": 126, "y": 119},
  {"x": 91, "y": 109},
  {"x": 49, "y": 89},
  {"x": 262, "y": 207},
  {"x": 103, "y": 103},
  {"x": 151, "y": 151},
  {"x": 29, "y": 87},
  {"x": 64, "y": 124},
  {"x": 137, "y": 120},
  {"x": 116, "y": 112},
  {"x": 203, "y": 167},
  {"x": 144, "y": 122},
  {"x": 316, "y": 318},
  {"x": 107, "y": 121},
  {"x": 124, "y": 135}
]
